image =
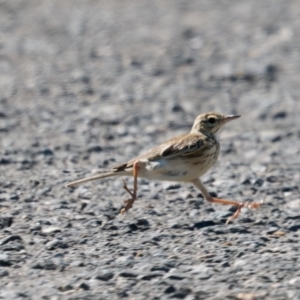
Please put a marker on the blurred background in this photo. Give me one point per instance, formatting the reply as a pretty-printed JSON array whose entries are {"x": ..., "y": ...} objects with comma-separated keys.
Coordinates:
[{"x": 71, "y": 69}]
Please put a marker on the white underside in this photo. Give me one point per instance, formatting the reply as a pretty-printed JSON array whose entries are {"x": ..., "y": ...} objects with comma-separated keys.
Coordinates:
[{"x": 168, "y": 170}]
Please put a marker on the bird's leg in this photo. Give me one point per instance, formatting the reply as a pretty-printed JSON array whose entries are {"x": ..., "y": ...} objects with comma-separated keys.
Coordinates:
[
  {"x": 198, "y": 184},
  {"x": 131, "y": 200},
  {"x": 125, "y": 187}
]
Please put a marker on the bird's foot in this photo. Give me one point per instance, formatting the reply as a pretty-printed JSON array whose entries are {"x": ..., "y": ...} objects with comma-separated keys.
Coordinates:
[
  {"x": 240, "y": 205},
  {"x": 125, "y": 187},
  {"x": 129, "y": 202},
  {"x": 128, "y": 205}
]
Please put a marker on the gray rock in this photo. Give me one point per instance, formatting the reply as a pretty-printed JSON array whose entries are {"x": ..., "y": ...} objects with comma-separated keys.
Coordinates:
[
  {"x": 55, "y": 244},
  {"x": 4, "y": 273},
  {"x": 150, "y": 276},
  {"x": 51, "y": 229},
  {"x": 10, "y": 238},
  {"x": 104, "y": 276},
  {"x": 128, "y": 274},
  {"x": 4, "y": 260},
  {"x": 174, "y": 276},
  {"x": 45, "y": 264}
]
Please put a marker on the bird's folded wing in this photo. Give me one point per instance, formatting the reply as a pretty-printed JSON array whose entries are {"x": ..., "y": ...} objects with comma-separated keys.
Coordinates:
[
  {"x": 186, "y": 149},
  {"x": 187, "y": 145}
]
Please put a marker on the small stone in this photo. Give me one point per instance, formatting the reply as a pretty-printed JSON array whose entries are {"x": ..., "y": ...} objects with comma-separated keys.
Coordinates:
[
  {"x": 225, "y": 264},
  {"x": 171, "y": 186},
  {"x": 170, "y": 289},
  {"x": 239, "y": 263},
  {"x": 238, "y": 229},
  {"x": 182, "y": 293},
  {"x": 272, "y": 229},
  {"x": 10, "y": 239},
  {"x": 175, "y": 276},
  {"x": 246, "y": 181},
  {"x": 272, "y": 179},
  {"x": 46, "y": 152},
  {"x": 13, "y": 197},
  {"x": 51, "y": 229},
  {"x": 83, "y": 286},
  {"x": 294, "y": 281},
  {"x": 249, "y": 296},
  {"x": 201, "y": 272},
  {"x": 128, "y": 274},
  {"x": 123, "y": 259},
  {"x": 5, "y": 222},
  {"x": 5, "y": 161},
  {"x": 279, "y": 233},
  {"x": 164, "y": 268},
  {"x": 245, "y": 220},
  {"x": 3, "y": 273},
  {"x": 44, "y": 191},
  {"x": 4, "y": 260},
  {"x": 15, "y": 246},
  {"x": 95, "y": 148},
  {"x": 258, "y": 182},
  {"x": 194, "y": 212},
  {"x": 271, "y": 72},
  {"x": 203, "y": 224},
  {"x": 270, "y": 136},
  {"x": 54, "y": 244},
  {"x": 46, "y": 264},
  {"x": 287, "y": 189},
  {"x": 177, "y": 108},
  {"x": 189, "y": 33},
  {"x": 66, "y": 288},
  {"x": 150, "y": 276},
  {"x": 294, "y": 228},
  {"x": 105, "y": 276},
  {"x": 77, "y": 263},
  {"x": 294, "y": 204},
  {"x": 280, "y": 115},
  {"x": 35, "y": 227}
]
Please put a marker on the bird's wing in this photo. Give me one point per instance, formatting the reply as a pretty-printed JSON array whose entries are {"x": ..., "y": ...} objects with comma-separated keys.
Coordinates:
[{"x": 186, "y": 145}]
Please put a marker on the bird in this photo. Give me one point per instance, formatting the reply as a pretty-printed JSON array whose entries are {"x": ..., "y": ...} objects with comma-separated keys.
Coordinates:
[{"x": 184, "y": 158}]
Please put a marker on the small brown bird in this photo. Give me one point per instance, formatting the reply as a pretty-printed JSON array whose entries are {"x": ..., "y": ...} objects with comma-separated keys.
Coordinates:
[{"x": 182, "y": 159}]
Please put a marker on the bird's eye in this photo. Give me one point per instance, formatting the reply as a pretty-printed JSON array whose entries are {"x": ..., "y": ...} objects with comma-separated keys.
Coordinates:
[{"x": 212, "y": 120}]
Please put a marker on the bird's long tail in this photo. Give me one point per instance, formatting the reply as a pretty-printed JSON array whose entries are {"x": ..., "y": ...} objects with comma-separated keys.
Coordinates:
[{"x": 100, "y": 176}]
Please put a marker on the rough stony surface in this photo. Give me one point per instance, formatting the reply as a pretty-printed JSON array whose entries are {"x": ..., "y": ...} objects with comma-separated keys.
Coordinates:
[{"x": 88, "y": 84}]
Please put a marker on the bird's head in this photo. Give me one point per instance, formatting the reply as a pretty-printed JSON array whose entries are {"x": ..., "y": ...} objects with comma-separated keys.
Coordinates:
[{"x": 211, "y": 122}]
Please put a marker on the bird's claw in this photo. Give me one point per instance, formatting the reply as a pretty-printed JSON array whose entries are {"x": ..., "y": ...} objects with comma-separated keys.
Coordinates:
[{"x": 251, "y": 205}]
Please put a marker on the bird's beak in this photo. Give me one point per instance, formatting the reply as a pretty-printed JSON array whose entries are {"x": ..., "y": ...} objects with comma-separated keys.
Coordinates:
[{"x": 230, "y": 118}]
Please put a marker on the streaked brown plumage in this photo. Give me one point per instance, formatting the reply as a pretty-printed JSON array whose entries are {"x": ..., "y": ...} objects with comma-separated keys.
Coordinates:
[{"x": 182, "y": 159}]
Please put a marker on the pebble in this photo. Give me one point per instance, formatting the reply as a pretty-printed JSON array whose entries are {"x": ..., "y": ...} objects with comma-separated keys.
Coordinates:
[
  {"x": 10, "y": 238},
  {"x": 3, "y": 273},
  {"x": 51, "y": 229},
  {"x": 105, "y": 276},
  {"x": 150, "y": 276},
  {"x": 128, "y": 274},
  {"x": 83, "y": 286},
  {"x": 174, "y": 276},
  {"x": 45, "y": 264},
  {"x": 170, "y": 289},
  {"x": 5, "y": 222},
  {"x": 4, "y": 260},
  {"x": 56, "y": 244}
]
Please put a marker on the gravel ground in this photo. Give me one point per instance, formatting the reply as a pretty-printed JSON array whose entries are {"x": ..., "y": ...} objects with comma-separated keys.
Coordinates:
[{"x": 85, "y": 85}]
